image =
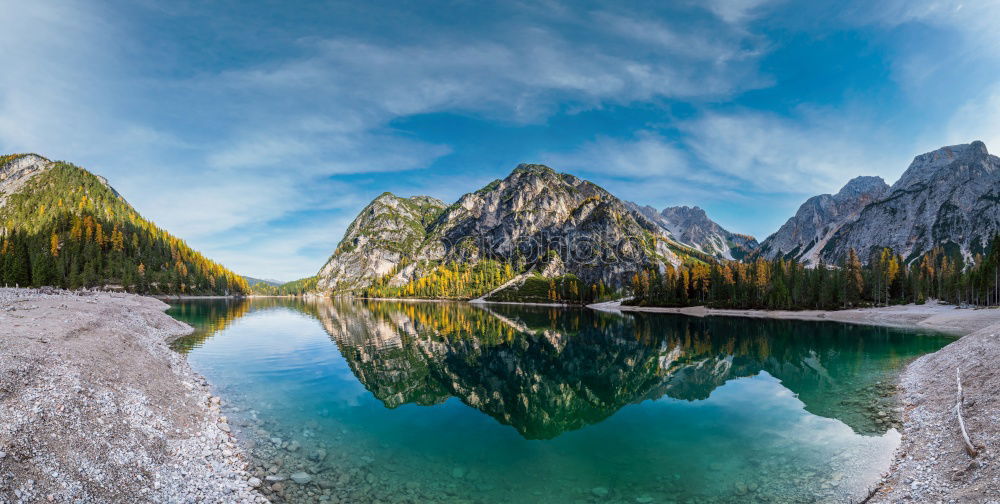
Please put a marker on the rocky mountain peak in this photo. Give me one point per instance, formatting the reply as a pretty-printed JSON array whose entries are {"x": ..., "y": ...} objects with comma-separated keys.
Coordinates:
[
  {"x": 17, "y": 169},
  {"x": 533, "y": 169},
  {"x": 944, "y": 163},
  {"x": 522, "y": 219},
  {"x": 388, "y": 198},
  {"x": 691, "y": 227},
  {"x": 820, "y": 218},
  {"x": 16, "y": 166},
  {"x": 873, "y": 187},
  {"x": 686, "y": 213},
  {"x": 379, "y": 240},
  {"x": 950, "y": 153},
  {"x": 946, "y": 197}
]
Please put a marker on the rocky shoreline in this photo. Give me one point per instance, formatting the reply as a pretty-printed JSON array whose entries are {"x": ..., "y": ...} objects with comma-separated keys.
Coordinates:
[
  {"x": 930, "y": 464},
  {"x": 94, "y": 406}
]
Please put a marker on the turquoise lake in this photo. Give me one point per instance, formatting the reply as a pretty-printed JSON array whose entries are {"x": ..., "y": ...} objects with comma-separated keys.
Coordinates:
[{"x": 451, "y": 402}]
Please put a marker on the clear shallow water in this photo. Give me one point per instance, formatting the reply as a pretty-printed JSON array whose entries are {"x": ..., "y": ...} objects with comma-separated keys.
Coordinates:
[{"x": 434, "y": 402}]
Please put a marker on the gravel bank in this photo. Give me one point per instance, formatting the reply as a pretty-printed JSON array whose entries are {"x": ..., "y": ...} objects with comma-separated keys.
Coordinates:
[
  {"x": 930, "y": 464},
  {"x": 94, "y": 407}
]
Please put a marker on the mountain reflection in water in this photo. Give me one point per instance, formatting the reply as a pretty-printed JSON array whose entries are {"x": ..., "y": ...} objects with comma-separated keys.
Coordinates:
[
  {"x": 647, "y": 405},
  {"x": 545, "y": 371}
]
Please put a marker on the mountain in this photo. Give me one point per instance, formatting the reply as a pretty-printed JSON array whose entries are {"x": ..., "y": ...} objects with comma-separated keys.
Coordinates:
[
  {"x": 298, "y": 287},
  {"x": 804, "y": 236},
  {"x": 251, "y": 281},
  {"x": 387, "y": 233},
  {"x": 534, "y": 219},
  {"x": 949, "y": 198},
  {"x": 61, "y": 225},
  {"x": 690, "y": 226}
]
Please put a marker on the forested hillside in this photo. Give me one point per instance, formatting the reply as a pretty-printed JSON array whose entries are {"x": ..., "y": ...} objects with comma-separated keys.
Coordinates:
[
  {"x": 788, "y": 284},
  {"x": 453, "y": 280},
  {"x": 63, "y": 226},
  {"x": 293, "y": 288}
]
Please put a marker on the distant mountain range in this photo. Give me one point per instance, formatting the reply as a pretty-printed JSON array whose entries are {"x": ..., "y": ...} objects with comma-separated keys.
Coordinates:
[
  {"x": 251, "y": 281},
  {"x": 63, "y": 226},
  {"x": 553, "y": 224},
  {"x": 946, "y": 198},
  {"x": 692, "y": 227}
]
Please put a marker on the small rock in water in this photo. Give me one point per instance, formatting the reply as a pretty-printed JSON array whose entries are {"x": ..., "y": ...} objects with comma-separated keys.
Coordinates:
[
  {"x": 301, "y": 478},
  {"x": 741, "y": 488},
  {"x": 318, "y": 455},
  {"x": 275, "y": 477},
  {"x": 645, "y": 499},
  {"x": 254, "y": 482},
  {"x": 599, "y": 491},
  {"x": 293, "y": 446},
  {"x": 224, "y": 427},
  {"x": 3, "y": 455},
  {"x": 458, "y": 472}
]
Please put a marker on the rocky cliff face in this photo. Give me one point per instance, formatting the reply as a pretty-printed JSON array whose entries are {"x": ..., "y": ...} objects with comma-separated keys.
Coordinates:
[
  {"x": 691, "y": 227},
  {"x": 524, "y": 220},
  {"x": 948, "y": 197},
  {"x": 389, "y": 231},
  {"x": 16, "y": 170},
  {"x": 804, "y": 236}
]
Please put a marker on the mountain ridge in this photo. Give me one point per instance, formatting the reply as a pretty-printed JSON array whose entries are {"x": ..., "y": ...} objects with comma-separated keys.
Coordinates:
[
  {"x": 947, "y": 198},
  {"x": 951, "y": 189},
  {"x": 61, "y": 225},
  {"x": 819, "y": 218},
  {"x": 691, "y": 226},
  {"x": 524, "y": 220}
]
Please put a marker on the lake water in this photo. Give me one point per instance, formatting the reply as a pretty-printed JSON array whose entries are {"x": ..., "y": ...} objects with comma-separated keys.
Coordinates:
[{"x": 451, "y": 402}]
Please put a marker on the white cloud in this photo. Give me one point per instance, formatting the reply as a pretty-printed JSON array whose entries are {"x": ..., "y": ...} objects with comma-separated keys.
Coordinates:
[
  {"x": 521, "y": 75},
  {"x": 210, "y": 152},
  {"x": 978, "y": 119},
  {"x": 816, "y": 152},
  {"x": 647, "y": 156},
  {"x": 735, "y": 11},
  {"x": 970, "y": 36}
]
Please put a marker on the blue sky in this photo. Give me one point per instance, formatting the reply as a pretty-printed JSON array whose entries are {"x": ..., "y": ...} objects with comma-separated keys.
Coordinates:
[{"x": 256, "y": 130}]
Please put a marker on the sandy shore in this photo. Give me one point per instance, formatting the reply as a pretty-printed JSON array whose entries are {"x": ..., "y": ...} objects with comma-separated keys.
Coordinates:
[
  {"x": 94, "y": 407},
  {"x": 930, "y": 464}
]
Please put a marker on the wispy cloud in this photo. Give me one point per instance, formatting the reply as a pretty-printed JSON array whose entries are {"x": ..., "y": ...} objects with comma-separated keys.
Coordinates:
[
  {"x": 736, "y": 11},
  {"x": 818, "y": 151},
  {"x": 647, "y": 156},
  {"x": 976, "y": 120},
  {"x": 265, "y": 139},
  {"x": 259, "y": 149}
]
